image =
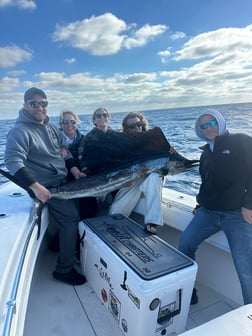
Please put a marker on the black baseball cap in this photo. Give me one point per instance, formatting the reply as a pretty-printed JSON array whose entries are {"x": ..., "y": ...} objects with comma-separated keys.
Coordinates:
[{"x": 32, "y": 91}]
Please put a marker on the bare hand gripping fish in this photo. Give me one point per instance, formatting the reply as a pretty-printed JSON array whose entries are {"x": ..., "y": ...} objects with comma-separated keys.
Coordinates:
[{"x": 116, "y": 158}]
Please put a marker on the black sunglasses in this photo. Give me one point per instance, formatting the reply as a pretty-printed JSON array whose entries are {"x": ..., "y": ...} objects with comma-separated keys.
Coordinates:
[
  {"x": 132, "y": 126},
  {"x": 66, "y": 122},
  {"x": 36, "y": 104}
]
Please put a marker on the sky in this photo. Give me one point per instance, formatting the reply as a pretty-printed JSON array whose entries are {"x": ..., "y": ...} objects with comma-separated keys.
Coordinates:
[{"x": 125, "y": 55}]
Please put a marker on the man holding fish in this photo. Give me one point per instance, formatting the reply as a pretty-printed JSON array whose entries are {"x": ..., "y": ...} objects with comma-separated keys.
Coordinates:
[{"x": 33, "y": 156}]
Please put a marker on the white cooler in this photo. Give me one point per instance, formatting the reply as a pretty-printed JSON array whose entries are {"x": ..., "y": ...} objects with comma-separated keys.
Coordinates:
[{"x": 144, "y": 282}]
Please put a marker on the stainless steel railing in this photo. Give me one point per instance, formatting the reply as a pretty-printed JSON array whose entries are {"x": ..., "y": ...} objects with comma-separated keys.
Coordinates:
[{"x": 11, "y": 303}]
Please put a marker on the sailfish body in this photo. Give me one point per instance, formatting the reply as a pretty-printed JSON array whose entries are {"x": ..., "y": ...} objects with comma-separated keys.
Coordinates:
[{"x": 117, "y": 158}]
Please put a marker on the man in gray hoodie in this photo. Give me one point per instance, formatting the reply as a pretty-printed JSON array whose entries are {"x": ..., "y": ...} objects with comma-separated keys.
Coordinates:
[{"x": 33, "y": 156}]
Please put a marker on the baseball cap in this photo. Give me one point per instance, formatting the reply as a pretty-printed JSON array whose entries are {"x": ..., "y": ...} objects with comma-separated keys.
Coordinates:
[{"x": 32, "y": 91}]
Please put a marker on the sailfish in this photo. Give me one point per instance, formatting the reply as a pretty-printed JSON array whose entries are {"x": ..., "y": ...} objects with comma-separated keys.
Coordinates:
[{"x": 114, "y": 159}]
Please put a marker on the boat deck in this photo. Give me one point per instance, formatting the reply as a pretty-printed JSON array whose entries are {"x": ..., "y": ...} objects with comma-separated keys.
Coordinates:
[{"x": 56, "y": 308}]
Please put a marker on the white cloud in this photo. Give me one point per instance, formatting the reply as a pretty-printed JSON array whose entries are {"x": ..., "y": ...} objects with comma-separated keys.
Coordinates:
[
  {"x": 214, "y": 43},
  {"x": 7, "y": 84},
  {"x": 70, "y": 60},
  {"x": 98, "y": 35},
  {"x": 105, "y": 34},
  {"x": 164, "y": 55},
  {"x": 61, "y": 80},
  {"x": 23, "y": 4},
  {"x": 220, "y": 65},
  {"x": 177, "y": 36},
  {"x": 10, "y": 56},
  {"x": 16, "y": 73},
  {"x": 137, "y": 77},
  {"x": 143, "y": 35}
]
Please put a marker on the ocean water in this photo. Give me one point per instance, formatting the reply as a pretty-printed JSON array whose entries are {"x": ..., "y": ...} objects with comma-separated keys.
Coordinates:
[{"x": 178, "y": 127}]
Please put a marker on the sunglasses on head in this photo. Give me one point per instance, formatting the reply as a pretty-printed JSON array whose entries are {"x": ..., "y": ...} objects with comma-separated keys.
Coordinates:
[
  {"x": 36, "y": 104},
  {"x": 66, "y": 122},
  {"x": 210, "y": 123},
  {"x": 137, "y": 124},
  {"x": 99, "y": 115}
]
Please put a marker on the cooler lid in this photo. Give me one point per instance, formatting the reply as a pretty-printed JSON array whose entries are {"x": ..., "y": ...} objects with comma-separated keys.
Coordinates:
[{"x": 149, "y": 256}]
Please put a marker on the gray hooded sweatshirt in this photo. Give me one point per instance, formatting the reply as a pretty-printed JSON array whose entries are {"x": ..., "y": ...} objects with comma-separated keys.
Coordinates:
[{"x": 36, "y": 147}]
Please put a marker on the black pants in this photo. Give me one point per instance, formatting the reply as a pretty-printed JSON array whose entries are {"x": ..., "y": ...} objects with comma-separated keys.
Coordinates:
[
  {"x": 88, "y": 207},
  {"x": 65, "y": 215}
]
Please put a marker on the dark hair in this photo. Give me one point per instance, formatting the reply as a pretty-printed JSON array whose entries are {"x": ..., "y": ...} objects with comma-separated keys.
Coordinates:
[{"x": 132, "y": 115}]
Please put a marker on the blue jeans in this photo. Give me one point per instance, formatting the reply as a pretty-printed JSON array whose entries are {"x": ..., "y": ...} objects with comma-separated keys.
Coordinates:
[{"x": 239, "y": 234}]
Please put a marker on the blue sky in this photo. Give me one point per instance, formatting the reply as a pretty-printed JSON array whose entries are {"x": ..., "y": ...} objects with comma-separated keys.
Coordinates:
[{"x": 129, "y": 55}]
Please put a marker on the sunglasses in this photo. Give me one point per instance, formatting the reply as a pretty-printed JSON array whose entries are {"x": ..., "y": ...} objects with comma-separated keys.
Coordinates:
[
  {"x": 99, "y": 115},
  {"x": 66, "y": 122},
  {"x": 36, "y": 104},
  {"x": 210, "y": 123},
  {"x": 132, "y": 126}
]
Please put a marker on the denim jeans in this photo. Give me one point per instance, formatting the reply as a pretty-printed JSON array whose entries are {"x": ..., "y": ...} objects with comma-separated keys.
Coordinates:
[{"x": 239, "y": 235}]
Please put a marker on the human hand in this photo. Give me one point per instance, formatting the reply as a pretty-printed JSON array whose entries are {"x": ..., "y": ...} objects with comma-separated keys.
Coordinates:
[
  {"x": 173, "y": 150},
  {"x": 63, "y": 152},
  {"x": 41, "y": 193},
  {"x": 247, "y": 215},
  {"x": 77, "y": 173}
]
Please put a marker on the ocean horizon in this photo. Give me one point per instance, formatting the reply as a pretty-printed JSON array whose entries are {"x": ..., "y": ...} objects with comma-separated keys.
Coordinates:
[{"x": 178, "y": 127}]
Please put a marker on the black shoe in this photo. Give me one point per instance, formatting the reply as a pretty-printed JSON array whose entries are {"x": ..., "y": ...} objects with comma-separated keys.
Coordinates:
[
  {"x": 194, "y": 298},
  {"x": 72, "y": 278}
]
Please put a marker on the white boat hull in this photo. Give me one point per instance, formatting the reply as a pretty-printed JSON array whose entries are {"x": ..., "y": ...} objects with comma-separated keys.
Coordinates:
[{"x": 20, "y": 242}]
